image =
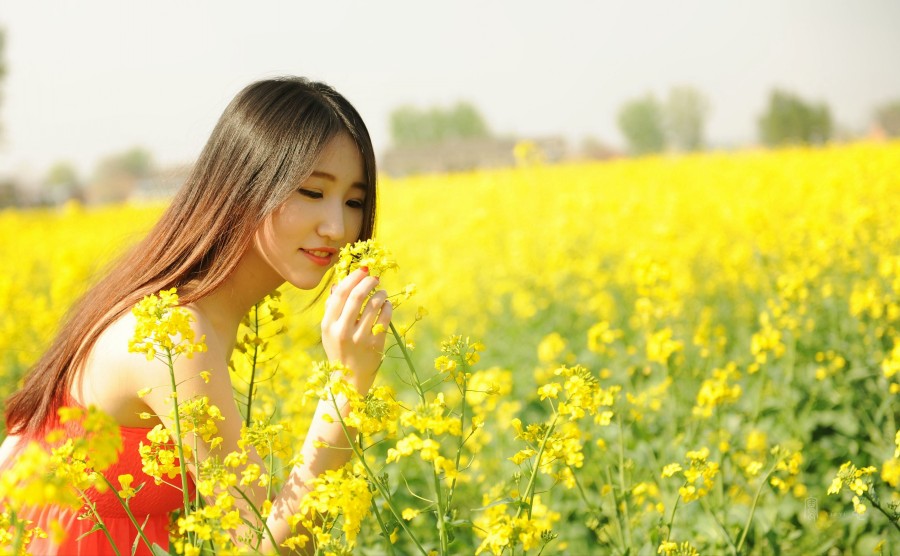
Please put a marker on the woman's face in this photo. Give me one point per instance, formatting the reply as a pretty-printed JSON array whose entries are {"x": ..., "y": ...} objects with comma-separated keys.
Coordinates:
[{"x": 299, "y": 241}]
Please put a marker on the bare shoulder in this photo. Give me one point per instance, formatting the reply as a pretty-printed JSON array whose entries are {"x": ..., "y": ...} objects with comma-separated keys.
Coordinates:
[{"x": 113, "y": 375}]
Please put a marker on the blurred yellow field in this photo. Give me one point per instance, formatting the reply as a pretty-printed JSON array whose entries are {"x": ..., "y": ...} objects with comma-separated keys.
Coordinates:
[{"x": 736, "y": 317}]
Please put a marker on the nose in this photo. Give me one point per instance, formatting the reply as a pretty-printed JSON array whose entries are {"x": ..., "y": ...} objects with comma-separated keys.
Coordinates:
[{"x": 331, "y": 224}]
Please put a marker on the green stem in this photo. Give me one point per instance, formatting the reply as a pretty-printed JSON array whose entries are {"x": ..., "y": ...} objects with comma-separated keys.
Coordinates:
[
  {"x": 271, "y": 469},
  {"x": 412, "y": 368},
  {"x": 612, "y": 490},
  {"x": 622, "y": 479},
  {"x": 128, "y": 512},
  {"x": 672, "y": 519},
  {"x": 877, "y": 505},
  {"x": 178, "y": 441},
  {"x": 20, "y": 533},
  {"x": 253, "y": 364},
  {"x": 759, "y": 489},
  {"x": 93, "y": 508},
  {"x": 387, "y": 535},
  {"x": 462, "y": 441},
  {"x": 381, "y": 488},
  {"x": 709, "y": 509},
  {"x": 441, "y": 510},
  {"x": 196, "y": 490},
  {"x": 591, "y": 508},
  {"x": 529, "y": 489},
  {"x": 258, "y": 516}
]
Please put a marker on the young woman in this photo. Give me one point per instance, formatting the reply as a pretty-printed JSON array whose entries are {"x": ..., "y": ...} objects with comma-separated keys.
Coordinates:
[{"x": 286, "y": 179}]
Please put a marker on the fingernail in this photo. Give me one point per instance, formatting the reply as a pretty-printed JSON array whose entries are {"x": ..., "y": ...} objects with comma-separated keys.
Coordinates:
[
  {"x": 332, "y": 287},
  {"x": 364, "y": 269}
]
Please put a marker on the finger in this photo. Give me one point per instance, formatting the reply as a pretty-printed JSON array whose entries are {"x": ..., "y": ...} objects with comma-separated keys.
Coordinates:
[
  {"x": 356, "y": 298},
  {"x": 334, "y": 305},
  {"x": 371, "y": 310},
  {"x": 384, "y": 317}
]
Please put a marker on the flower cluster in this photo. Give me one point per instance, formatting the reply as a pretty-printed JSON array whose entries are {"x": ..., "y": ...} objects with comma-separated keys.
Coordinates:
[
  {"x": 780, "y": 264},
  {"x": 342, "y": 494},
  {"x": 368, "y": 254},
  {"x": 718, "y": 390},
  {"x": 699, "y": 475},
  {"x": 458, "y": 356},
  {"x": 164, "y": 328},
  {"x": 58, "y": 471},
  {"x": 854, "y": 479},
  {"x": 502, "y": 531}
]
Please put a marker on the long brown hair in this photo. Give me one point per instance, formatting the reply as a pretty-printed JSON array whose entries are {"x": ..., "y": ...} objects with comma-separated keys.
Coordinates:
[{"x": 266, "y": 142}]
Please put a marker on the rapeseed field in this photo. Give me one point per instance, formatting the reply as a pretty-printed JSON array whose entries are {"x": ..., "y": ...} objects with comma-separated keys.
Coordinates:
[{"x": 667, "y": 355}]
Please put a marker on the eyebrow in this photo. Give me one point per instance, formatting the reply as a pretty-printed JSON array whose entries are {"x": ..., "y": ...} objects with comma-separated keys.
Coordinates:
[{"x": 331, "y": 177}]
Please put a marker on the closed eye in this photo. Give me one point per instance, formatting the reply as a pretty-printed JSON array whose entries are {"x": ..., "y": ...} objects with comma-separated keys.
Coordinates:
[
  {"x": 356, "y": 203},
  {"x": 310, "y": 193}
]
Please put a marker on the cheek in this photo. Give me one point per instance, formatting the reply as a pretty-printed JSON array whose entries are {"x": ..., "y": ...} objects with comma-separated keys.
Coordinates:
[
  {"x": 354, "y": 224},
  {"x": 263, "y": 238}
]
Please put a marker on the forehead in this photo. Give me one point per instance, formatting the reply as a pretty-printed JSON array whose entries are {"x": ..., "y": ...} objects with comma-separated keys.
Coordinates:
[{"x": 341, "y": 161}]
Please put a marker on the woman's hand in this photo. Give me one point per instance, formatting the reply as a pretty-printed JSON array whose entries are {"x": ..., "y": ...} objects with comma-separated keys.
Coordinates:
[{"x": 347, "y": 326}]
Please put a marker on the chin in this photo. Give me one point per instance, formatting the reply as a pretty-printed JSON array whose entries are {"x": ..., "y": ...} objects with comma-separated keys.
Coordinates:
[{"x": 306, "y": 283}]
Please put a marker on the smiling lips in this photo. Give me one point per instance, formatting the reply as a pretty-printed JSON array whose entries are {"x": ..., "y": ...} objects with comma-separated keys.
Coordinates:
[{"x": 320, "y": 255}]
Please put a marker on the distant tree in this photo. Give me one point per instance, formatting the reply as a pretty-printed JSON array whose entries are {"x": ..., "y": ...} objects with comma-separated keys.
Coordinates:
[
  {"x": 411, "y": 126},
  {"x": 686, "y": 111},
  {"x": 464, "y": 121},
  {"x": 116, "y": 177},
  {"x": 62, "y": 182},
  {"x": 9, "y": 193},
  {"x": 790, "y": 120},
  {"x": 641, "y": 122},
  {"x": 887, "y": 116}
]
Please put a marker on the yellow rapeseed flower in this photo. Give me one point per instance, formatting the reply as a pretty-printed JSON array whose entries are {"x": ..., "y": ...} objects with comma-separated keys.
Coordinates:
[
  {"x": 163, "y": 327},
  {"x": 369, "y": 254}
]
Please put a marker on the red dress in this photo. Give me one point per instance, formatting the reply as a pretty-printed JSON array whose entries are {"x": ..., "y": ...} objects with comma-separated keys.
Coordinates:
[{"x": 154, "y": 503}]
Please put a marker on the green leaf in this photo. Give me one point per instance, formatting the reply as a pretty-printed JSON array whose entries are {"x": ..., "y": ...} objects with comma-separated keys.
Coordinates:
[
  {"x": 160, "y": 551},
  {"x": 506, "y": 500}
]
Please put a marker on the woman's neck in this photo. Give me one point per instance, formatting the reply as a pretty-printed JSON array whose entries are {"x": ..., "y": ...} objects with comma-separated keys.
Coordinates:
[{"x": 250, "y": 282}]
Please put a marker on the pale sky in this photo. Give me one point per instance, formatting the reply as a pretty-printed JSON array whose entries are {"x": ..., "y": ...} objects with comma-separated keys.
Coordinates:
[{"x": 90, "y": 78}]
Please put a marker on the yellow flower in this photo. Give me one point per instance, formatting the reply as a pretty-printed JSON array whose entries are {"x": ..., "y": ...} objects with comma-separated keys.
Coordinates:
[
  {"x": 125, "y": 482},
  {"x": 661, "y": 346},
  {"x": 369, "y": 254},
  {"x": 344, "y": 492},
  {"x": 852, "y": 477},
  {"x": 671, "y": 469},
  {"x": 717, "y": 391},
  {"x": 522, "y": 455},
  {"x": 890, "y": 472},
  {"x": 550, "y": 390},
  {"x": 551, "y": 347},
  {"x": 163, "y": 327},
  {"x": 376, "y": 412}
]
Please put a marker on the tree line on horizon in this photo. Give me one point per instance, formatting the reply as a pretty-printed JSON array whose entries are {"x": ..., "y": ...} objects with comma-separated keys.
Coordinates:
[{"x": 648, "y": 125}]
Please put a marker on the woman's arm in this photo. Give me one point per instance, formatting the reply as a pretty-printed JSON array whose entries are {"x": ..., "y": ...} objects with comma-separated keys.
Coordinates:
[{"x": 347, "y": 337}]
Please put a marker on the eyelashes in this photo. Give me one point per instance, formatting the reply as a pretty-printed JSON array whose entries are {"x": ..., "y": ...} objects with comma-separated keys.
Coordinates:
[
  {"x": 310, "y": 193},
  {"x": 313, "y": 194}
]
